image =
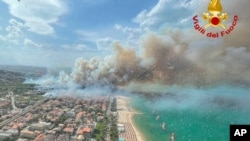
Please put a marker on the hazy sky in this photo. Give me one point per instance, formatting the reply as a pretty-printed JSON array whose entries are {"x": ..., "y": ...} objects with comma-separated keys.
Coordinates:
[{"x": 54, "y": 33}]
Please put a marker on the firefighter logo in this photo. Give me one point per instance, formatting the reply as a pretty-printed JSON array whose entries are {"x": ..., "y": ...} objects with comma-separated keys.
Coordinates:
[{"x": 215, "y": 16}]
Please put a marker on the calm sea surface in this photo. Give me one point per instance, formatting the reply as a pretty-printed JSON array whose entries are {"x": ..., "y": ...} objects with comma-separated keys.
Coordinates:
[{"x": 194, "y": 114}]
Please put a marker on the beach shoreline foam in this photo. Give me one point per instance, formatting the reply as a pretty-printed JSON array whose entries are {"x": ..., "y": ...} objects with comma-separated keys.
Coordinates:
[{"x": 125, "y": 116}]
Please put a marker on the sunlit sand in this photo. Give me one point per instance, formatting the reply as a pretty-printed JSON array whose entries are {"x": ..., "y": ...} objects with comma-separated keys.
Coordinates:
[{"x": 125, "y": 115}]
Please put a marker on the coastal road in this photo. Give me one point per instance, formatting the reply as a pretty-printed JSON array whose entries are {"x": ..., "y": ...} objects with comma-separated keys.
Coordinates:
[
  {"x": 13, "y": 101},
  {"x": 26, "y": 110}
]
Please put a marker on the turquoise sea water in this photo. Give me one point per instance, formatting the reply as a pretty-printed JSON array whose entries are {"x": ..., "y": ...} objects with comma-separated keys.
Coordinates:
[{"x": 193, "y": 114}]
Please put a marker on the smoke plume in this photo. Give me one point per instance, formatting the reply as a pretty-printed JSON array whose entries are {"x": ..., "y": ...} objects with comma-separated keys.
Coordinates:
[
  {"x": 170, "y": 59},
  {"x": 173, "y": 57}
]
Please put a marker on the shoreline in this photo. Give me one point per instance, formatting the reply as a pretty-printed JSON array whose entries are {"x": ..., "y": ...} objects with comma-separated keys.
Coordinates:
[
  {"x": 139, "y": 135},
  {"x": 125, "y": 116}
]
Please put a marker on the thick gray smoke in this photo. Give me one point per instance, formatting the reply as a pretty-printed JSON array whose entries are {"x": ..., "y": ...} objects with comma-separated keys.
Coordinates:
[
  {"x": 161, "y": 61},
  {"x": 169, "y": 59},
  {"x": 174, "y": 57}
]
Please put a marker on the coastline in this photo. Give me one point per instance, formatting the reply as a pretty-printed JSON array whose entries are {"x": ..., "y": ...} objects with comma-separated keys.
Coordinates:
[
  {"x": 125, "y": 116},
  {"x": 139, "y": 134}
]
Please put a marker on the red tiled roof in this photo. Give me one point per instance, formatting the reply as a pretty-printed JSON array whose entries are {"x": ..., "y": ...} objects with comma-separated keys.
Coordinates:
[
  {"x": 40, "y": 137},
  {"x": 14, "y": 126},
  {"x": 84, "y": 130},
  {"x": 79, "y": 114},
  {"x": 68, "y": 130}
]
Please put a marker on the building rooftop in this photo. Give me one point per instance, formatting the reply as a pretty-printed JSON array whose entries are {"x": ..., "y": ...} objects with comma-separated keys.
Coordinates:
[
  {"x": 40, "y": 137},
  {"x": 68, "y": 130},
  {"x": 84, "y": 130}
]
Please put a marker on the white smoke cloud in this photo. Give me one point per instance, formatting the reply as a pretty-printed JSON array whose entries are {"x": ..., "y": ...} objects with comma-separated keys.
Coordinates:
[
  {"x": 168, "y": 59},
  {"x": 171, "y": 57},
  {"x": 217, "y": 98}
]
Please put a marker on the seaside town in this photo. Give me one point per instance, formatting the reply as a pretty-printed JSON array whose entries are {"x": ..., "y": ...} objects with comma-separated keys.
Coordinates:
[
  {"x": 26, "y": 115},
  {"x": 120, "y": 70}
]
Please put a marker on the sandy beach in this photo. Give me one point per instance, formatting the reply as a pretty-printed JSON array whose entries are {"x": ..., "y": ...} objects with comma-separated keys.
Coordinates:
[{"x": 125, "y": 116}]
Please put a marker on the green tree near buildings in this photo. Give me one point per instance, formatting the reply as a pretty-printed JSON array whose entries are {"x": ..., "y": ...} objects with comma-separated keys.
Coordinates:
[
  {"x": 100, "y": 131},
  {"x": 113, "y": 129},
  {"x": 114, "y": 105}
]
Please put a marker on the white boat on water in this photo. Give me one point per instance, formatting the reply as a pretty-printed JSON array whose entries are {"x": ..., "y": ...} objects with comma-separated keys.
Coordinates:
[
  {"x": 163, "y": 126},
  {"x": 172, "y": 137},
  {"x": 153, "y": 111},
  {"x": 157, "y": 118}
]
